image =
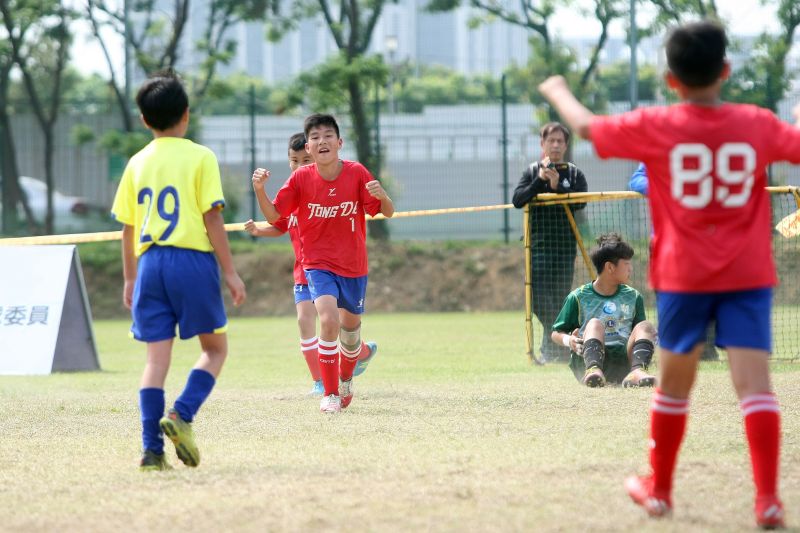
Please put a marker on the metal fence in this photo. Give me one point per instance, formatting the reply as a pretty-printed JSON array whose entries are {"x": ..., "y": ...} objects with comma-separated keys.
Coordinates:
[{"x": 630, "y": 217}]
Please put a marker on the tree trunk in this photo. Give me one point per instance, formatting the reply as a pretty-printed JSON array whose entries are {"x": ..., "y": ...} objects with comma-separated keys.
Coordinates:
[
  {"x": 9, "y": 170},
  {"x": 48, "y": 174},
  {"x": 364, "y": 150}
]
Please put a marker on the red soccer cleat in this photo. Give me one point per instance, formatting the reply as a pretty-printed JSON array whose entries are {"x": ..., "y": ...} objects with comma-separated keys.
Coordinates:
[
  {"x": 640, "y": 489},
  {"x": 769, "y": 513}
]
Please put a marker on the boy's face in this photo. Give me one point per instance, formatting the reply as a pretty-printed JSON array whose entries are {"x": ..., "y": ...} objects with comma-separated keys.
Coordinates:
[
  {"x": 323, "y": 144},
  {"x": 299, "y": 158},
  {"x": 622, "y": 271},
  {"x": 554, "y": 146}
]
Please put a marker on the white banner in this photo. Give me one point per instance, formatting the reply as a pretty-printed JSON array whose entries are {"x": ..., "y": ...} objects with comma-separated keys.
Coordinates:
[{"x": 33, "y": 289}]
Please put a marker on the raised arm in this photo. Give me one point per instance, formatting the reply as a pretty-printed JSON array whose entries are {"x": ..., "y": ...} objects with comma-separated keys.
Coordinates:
[
  {"x": 577, "y": 116},
  {"x": 376, "y": 190},
  {"x": 260, "y": 177}
]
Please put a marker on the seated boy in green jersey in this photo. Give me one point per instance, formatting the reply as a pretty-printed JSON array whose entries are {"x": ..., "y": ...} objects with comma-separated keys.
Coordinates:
[
  {"x": 603, "y": 322},
  {"x": 169, "y": 201}
]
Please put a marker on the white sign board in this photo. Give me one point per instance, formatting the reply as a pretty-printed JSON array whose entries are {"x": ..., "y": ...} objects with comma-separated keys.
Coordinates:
[{"x": 45, "y": 322}]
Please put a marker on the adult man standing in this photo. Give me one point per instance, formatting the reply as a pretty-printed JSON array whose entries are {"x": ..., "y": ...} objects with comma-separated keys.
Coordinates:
[{"x": 552, "y": 240}]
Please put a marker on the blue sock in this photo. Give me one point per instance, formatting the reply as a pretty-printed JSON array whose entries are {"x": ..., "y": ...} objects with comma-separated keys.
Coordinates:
[
  {"x": 151, "y": 405},
  {"x": 197, "y": 389}
]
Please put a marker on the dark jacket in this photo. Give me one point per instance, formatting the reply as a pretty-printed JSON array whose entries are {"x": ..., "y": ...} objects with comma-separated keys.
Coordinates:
[{"x": 550, "y": 229}]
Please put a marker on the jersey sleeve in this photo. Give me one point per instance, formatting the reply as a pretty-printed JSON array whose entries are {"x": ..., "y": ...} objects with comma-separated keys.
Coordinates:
[
  {"x": 568, "y": 317},
  {"x": 124, "y": 207},
  {"x": 288, "y": 197},
  {"x": 639, "y": 314},
  {"x": 372, "y": 206},
  {"x": 282, "y": 224},
  {"x": 209, "y": 193},
  {"x": 787, "y": 147},
  {"x": 621, "y": 136}
]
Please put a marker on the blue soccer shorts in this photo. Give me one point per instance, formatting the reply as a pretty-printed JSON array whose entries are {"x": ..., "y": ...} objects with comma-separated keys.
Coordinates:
[
  {"x": 743, "y": 319},
  {"x": 349, "y": 292},
  {"x": 301, "y": 293},
  {"x": 177, "y": 287}
]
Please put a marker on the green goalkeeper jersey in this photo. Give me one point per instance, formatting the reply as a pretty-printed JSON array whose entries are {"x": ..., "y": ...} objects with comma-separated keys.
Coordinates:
[{"x": 619, "y": 313}]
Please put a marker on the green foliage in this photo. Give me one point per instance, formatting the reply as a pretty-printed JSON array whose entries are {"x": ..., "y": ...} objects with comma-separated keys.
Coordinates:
[
  {"x": 124, "y": 143},
  {"x": 545, "y": 60},
  {"x": 325, "y": 86},
  {"x": 438, "y": 85},
  {"x": 231, "y": 96},
  {"x": 81, "y": 134},
  {"x": 613, "y": 82}
]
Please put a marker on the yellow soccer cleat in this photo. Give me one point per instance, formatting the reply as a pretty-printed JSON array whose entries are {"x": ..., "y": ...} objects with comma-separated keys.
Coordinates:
[{"x": 180, "y": 433}]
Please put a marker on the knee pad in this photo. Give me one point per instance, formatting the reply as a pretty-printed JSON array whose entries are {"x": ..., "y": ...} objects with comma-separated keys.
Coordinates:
[{"x": 350, "y": 339}]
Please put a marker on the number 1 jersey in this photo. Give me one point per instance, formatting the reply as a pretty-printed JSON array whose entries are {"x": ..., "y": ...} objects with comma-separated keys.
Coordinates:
[
  {"x": 330, "y": 217},
  {"x": 707, "y": 168}
]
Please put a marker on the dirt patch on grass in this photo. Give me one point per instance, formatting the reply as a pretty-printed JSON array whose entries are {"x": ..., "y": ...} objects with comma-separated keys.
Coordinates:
[{"x": 403, "y": 277}]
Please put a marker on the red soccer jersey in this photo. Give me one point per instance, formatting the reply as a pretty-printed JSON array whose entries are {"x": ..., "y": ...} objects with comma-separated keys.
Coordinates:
[
  {"x": 707, "y": 172},
  {"x": 331, "y": 217},
  {"x": 290, "y": 224}
]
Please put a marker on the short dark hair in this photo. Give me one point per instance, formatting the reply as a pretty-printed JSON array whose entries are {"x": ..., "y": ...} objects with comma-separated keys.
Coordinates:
[
  {"x": 318, "y": 119},
  {"x": 610, "y": 247},
  {"x": 550, "y": 127},
  {"x": 696, "y": 53},
  {"x": 297, "y": 142},
  {"x": 162, "y": 100}
]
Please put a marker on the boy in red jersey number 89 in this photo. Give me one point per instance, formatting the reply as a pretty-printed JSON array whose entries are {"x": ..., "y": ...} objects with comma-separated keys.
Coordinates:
[
  {"x": 331, "y": 198},
  {"x": 711, "y": 252}
]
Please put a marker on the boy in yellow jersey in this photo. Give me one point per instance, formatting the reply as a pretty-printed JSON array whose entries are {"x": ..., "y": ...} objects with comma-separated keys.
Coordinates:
[{"x": 169, "y": 202}]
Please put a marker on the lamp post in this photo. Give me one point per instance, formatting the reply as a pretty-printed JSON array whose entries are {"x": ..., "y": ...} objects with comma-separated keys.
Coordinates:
[{"x": 391, "y": 43}]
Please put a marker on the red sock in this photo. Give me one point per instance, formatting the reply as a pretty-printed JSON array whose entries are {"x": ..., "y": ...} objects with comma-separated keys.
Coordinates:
[
  {"x": 667, "y": 425},
  {"x": 309, "y": 349},
  {"x": 329, "y": 366},
  {"x": 348, "y": 362},
  {"x": 762, "y": 424}
]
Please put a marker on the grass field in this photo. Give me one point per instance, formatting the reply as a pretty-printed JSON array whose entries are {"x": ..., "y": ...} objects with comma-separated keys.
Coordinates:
[{"x": 450, "y": 430}]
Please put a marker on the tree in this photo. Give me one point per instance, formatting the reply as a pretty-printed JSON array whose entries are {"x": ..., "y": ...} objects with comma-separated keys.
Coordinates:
[
  {"x": 763, "y": 79},
  {"x": 156, "y": 45},
  {"x": 549, "y": 55},
  {"x": 12, "y": 193},
  {"x": 40, "y": 52},
  {"x": 671, "y": 12},
  {"x": 351, "y": 24}
]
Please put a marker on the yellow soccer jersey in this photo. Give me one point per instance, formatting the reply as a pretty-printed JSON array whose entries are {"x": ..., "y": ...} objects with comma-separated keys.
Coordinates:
[{"x": 166, "y": 188}]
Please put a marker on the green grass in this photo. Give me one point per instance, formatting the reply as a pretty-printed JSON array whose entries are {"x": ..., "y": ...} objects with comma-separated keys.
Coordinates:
[{"x": 450, "y": 430}]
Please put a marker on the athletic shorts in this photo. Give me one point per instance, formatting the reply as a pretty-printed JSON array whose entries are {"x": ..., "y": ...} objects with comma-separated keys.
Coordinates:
[
  {"x": 349, "y": 292},
  {"x": 301, "y": 293},
  {"x": 743, "y": 319},
  {"x": 177, "y": 287}
]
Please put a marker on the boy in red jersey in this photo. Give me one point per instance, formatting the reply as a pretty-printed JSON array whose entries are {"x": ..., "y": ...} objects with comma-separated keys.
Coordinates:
[
  {"x": 306, "y": 312},
  {"x": 331, "y": 198},
  {"x": 711, "y": 252}
]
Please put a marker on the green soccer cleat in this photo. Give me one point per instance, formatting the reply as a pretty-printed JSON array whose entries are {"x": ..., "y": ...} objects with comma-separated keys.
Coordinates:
[
  {"x": 180, "y": 433},
  {"x": 152, "y": 462}
]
